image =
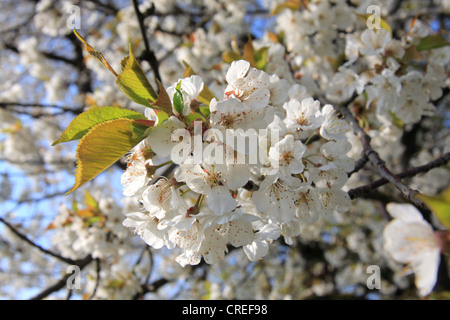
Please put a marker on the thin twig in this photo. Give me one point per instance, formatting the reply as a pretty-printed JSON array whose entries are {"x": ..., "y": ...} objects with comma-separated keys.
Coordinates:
[
  {"x": 149, "y": 55},
  {"x": 33, "y": 244},
  {"x": 359, "y": 164},
  {"x": 375, "y": 159},
  {"x": 439, "y": 162},
  {"x": 82, "y": 263},
  {"x": 97, "y": 279}
]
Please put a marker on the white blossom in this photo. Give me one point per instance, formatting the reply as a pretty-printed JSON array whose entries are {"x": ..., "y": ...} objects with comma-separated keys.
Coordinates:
[{"x": 409, "y": 239}]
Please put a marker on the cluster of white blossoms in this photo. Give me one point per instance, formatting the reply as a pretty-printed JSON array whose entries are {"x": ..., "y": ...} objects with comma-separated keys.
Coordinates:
[
  {"x": 221, "y": 193},
  {"x": 394, "y": 86},
  {"x": 332, "y": 51}
]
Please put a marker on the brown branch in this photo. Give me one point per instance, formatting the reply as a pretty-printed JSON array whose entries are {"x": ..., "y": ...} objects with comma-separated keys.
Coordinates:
[
  {"x": 360, "y": 191},
  {"x": 33, "y": 244},
  {"x": 8, "y": 104},
  {"x": 97, "y": 279},
  {"x": 154, "y": 286},
  {"x": 41, "y": 198},
  {"x": 359, "y": 164},
  {"x": 48, "y": 55},
  {"x": 148, "y": 55},
  {"x": 81, "y": 263},
  {"x": 375, "y": 159}
]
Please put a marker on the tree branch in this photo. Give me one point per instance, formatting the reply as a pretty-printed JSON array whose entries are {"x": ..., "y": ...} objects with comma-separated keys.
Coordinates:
[
  {"x": 27, "y": 240},
  {"x": 148, "y": 55},
  {"x": 360, "y": 191},
  {"x": 375, "y": 159},
  {"x": 6, "y": 105},
  {"x": 82, "y": 263}
]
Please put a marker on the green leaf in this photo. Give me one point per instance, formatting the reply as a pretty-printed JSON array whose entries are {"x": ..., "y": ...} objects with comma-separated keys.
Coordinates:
[
  {"x": 261, "y": 57},
  {"x": 249, "y": 52},
  {"x": 440, "y": 205},
  {"x": 178, "y": 103},
  {"x": 74, "y": 205},
  {"x": 91, "y": 117},
  {"x": 194, "y": 116},
  {"x": 396, "y": 121},
  {"x": 188, "y": 71},
  {"x": 411, "y": 54},
  {"x": 90, "y": 201},
  {"x": 96, "y": 54},
  {"x": 140, "y": 128},
  {"x": 205, "y": 111},
  {"x": 101, "y": 147},
  {"x": 134, "y": 83},
  {"x": 230, "y": 56},
  {"x": 257, "y": 58},
  {"x": 162, "y": 116},
  {"x": 90, "y": 221},
  {"x": 432, "y": 42},
  {"x": 206, "y": 95}
]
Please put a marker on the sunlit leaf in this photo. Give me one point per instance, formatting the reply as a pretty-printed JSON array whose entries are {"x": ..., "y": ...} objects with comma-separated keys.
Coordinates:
[
  {"x": 101, "y": 147},
  {"x": 96, "y": 54},
  {"x": 261, "y": 58},
  {"x": 206, "y": 95},
  {"x": 229, "y": 57},
  {"x": 205, "y": 111},
  {"x": 162, "y": 116},
  {"x": 249, "y": 53},
  {"x": 85, "y": 213},
  {"x": 194, "y": 116},
  {"x": 134, "y": 83},
  {"x": 257, "y": 58},
  {"x": 140, "y": 128},
  {"x": 188, "y": 71},
  {"x": 100, "y": 219},
  {"x": 86, "y": 120},
  {"x": 90, "y": 201}
]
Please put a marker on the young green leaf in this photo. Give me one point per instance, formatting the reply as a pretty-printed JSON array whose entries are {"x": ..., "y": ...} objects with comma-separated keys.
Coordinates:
[
  {"x": 432, "y": 42},
  {"x": 261, "y": 57},
  {"x": 229, "y": 57},
  {"x": 91, "y": 117},
  {"x": 206, "y": 95},
  {"x": 178, "y": 103},
  {"x": 205, "y": 111},
  {"x": 134, "y": 83},
  {"x": 96, "y": 54},
  {"x": 194, "y": 116},
  {"x": 90, "y": 201},
  {"x": 140, "y": 128},
  {"x": 162, "y": 116},
  {"x": 101, "y": 147},
  {"x": 440, "y": 205}
]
